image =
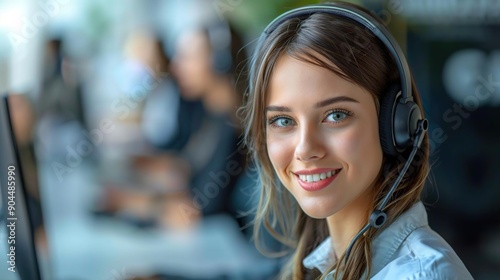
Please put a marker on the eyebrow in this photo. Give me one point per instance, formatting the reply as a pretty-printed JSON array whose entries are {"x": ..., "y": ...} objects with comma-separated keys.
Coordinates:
[
  {"x": 335, "y": 100},
  {"x": 320, "y": 104}
]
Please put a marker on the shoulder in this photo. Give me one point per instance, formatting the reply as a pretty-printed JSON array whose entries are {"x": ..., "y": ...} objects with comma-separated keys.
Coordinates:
[{"x": 424, "y": 255}]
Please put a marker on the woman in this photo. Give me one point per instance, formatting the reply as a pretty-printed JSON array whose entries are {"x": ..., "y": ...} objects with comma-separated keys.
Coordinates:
[{"x": 314, "y": 122}]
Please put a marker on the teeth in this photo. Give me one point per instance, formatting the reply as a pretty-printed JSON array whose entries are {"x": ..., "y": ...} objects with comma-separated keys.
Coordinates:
[{"x": 317, "y": 177}]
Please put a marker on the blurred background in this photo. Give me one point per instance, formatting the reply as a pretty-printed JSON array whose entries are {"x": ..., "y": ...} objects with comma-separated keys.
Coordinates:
[{"x": 125, "y": 117}]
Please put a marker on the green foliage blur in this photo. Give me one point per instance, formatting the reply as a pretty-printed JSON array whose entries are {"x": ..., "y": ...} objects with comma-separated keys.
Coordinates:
[{"x": 254, "y": 15}]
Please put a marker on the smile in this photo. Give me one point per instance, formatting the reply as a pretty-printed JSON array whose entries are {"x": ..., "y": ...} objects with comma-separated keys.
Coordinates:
[
  {"x": 310, "y": 181},
  {"x": 318, "y": 177}
]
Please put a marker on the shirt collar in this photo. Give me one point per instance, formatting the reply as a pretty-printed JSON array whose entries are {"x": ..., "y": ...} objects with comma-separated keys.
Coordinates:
[
  {"x": 384, "y": 245},
  {"x": 387, "y": 242},
  {"x": 322, "y": 257}
]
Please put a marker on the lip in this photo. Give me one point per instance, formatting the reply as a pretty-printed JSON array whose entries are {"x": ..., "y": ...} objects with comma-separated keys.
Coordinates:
[
  {"x": 316, "y": 186},
  {"x": 315, "y": 171}
]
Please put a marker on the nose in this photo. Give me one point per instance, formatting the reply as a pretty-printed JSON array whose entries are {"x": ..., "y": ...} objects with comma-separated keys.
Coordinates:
[{"x": 310, "y": 145}]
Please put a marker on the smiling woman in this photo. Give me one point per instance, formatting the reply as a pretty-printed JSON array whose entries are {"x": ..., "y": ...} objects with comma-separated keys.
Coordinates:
[
  {"x": 333, "y": 121},
  {"x": 332, "y": 130}
]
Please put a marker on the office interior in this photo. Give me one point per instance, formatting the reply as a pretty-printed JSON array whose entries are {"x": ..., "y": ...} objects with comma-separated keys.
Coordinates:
[{"x": 134, "y": 174}]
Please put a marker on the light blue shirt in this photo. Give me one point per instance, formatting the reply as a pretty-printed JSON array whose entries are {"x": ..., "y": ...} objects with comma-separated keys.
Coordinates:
[{"x": 406, "y": 249}]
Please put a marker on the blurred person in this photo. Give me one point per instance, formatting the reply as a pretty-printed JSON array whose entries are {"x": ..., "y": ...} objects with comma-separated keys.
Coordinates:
[
  {"x": 198, "y": 163},
  {"x": 61, "y": 87},
  {"x": 207, "y": 65},
  {"x": 149, "y": 101},
  {"x": 59, "y": 106},
  {"x": 333, "y": 126},
  {"x": 147, "y": 119},
  {"x": 168, "y": 119}
]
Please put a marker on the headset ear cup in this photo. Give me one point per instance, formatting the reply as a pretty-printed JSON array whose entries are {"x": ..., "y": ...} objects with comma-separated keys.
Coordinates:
[{"x": 386, "y": 120}]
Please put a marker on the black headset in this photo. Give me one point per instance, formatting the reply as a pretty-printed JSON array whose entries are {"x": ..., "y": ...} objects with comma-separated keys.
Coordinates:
[
  {"x": 399, "y": 115},
  {"x": 401, "y": 124}
]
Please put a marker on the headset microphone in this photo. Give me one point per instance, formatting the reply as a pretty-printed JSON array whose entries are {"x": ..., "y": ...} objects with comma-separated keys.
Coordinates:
[{"x": 378, "y": 217}]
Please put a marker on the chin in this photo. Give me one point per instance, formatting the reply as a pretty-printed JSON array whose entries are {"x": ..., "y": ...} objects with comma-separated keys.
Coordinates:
[
  {"x": 316, "y": 210},
  {"x": 316, "y": 215}
]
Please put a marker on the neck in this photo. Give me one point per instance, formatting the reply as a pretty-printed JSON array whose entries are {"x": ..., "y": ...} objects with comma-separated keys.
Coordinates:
[
  {"x": 220, "y": 96},
  {"x": 345, "y": 224}
]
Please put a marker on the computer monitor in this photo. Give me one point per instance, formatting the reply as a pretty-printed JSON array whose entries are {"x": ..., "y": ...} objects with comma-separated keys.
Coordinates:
[{"x": 19, "y": 241}]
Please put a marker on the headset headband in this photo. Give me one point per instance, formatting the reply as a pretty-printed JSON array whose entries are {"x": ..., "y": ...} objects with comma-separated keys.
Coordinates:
[{"x": 367, "y": 21}]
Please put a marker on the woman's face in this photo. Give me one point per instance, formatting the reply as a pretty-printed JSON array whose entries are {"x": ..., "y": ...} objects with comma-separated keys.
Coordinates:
[{"x": 322, "y": 137}]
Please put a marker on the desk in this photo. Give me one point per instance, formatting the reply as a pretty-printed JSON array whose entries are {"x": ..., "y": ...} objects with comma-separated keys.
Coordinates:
[{"x": 83, "y": 247}]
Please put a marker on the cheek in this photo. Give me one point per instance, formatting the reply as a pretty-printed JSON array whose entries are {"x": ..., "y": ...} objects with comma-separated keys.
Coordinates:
[
  {"x": 360, "y": 149},
  {"x": 280, "y": 153}
]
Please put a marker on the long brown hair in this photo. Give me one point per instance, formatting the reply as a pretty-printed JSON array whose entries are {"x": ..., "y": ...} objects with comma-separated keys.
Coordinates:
[{"x": 354, "y": 53}]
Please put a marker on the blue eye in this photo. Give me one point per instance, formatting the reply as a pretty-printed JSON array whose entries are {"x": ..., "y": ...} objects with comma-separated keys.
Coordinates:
[
  {"x": 280, "y": 121},
  {"x": 337, "y": 116}
]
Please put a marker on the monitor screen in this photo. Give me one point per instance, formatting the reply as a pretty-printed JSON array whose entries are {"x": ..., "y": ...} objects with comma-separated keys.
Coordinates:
[{"x": 20, "y": 200}]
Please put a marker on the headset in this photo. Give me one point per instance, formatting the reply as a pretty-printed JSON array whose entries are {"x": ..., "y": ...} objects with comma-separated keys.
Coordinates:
[{"x": 401, "y": 124}]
